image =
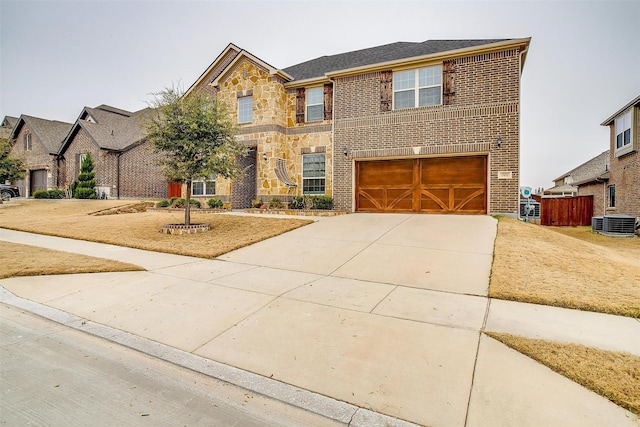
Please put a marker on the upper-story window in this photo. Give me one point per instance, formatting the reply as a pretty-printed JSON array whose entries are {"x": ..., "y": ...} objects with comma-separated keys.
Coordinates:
[
  {"x": 623, "y": 132},
  {"x": 27, "y": 142},
  {"x": 245, "y": 109},
  {"x": 417, "y": 88},
  {"x": 315, "y": 104}
]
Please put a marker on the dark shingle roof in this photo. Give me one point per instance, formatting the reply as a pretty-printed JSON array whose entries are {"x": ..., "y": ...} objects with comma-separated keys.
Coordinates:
[
  {"x": 589, "y": 170},
  {"x": 320, "y": 66},
  {"x": 114, "y": 129},
  {"x": 51, "y": 133},
  {"x": 8, "y": 123}
]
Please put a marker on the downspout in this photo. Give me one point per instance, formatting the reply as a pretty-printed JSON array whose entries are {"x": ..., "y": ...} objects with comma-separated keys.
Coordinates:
[{"x": 118, "y": 175}]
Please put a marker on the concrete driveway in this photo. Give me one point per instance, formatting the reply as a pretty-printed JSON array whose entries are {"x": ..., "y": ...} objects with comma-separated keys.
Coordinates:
[{"x": 382, "y": 312}]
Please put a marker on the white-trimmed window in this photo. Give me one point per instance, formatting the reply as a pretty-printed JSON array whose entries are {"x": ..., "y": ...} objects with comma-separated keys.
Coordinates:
[
  {"x": 624, "y": 142},
  {"x": 203, "y": 188},
  {"x": 315, "y": 104},
  {"x": 417, "y": 88},
  {"x": 313, "y": 174},
  {"x": 28, "y": 146},
  {"x": 245, "y": 109}
]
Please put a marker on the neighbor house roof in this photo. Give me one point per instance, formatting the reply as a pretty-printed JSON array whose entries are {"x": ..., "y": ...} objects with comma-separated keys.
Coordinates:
[
  {"x": 51, "y": 133},
  {"x": 110, "y": 128},
  {"x": 7, "y": 126},
  {"x": 380, "y": 54},
  {"x": 635, "y": 102},
  {"x": 589, "y": 171}
]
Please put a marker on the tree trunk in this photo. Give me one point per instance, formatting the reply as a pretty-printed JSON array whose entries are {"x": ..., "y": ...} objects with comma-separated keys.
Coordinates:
[{"x": 187, "y": 208}]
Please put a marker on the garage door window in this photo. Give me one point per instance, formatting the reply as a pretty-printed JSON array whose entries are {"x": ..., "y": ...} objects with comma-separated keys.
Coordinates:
[
  {"x": 417, "y": 88},
  {"x": 313, "y": 174}
]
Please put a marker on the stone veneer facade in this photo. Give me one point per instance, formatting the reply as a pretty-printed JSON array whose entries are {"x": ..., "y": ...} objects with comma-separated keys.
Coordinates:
[{"x": 485, "y": 106}]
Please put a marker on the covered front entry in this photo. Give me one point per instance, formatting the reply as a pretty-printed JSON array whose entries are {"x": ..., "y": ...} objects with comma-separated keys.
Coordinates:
[{"x": 428, "y": 185}]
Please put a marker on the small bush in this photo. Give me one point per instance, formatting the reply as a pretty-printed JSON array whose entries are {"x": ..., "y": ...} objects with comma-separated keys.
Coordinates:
[
  {"x": 173, "y": 199},
  {"x": 163, "y": 204},
  {"x": 297, "y": 202},
  {"x": 57, "y": 193},
  {"x": 41, "y": 194},
  {"x": 214, "y": 203},
  {"x": 323, "y": 203},
  {"x": 275, "y": 203},
  {"x": 256, "y": 203},
  {"x": 181, "y": 203}
]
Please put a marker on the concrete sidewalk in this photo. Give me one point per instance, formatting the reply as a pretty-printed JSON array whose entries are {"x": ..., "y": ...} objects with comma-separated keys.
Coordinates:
[{"x": 366, "y": 319}]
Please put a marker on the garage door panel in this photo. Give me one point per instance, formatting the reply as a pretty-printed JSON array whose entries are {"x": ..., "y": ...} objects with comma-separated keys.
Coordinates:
[{"x": 432, "y": 185}]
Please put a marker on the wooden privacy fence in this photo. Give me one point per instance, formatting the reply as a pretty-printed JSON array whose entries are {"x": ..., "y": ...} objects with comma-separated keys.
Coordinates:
[{"x": 566, "y": 211}]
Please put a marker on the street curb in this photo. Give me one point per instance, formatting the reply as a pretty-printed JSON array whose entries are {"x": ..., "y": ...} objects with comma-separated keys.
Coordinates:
[{"x": 325, "y": 406}]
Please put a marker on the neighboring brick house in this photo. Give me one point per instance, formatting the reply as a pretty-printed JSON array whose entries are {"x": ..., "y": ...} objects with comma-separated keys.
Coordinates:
[
  {"x": 37, "y": 141},
  {"x": 588, "y": 179},
  {"x": 7, "y": 125},
  {"x": 125, "y": 165},
  {"x": 405, "y": 127},
  {"x": 623, "y": 189}
]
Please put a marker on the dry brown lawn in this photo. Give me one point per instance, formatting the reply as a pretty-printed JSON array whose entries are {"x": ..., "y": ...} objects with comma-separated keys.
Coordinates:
[
  {"x": 71, "y": 218},
  {"x": 43, "y": 261},
  {"x": 566, "y": 267},
  {"x": 613, "y": 375}
]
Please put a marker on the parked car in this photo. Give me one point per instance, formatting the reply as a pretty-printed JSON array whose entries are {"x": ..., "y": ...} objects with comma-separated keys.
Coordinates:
[{"x": 9, "y": 191}]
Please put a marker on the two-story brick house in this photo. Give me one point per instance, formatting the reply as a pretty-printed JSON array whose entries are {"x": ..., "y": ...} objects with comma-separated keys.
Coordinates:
[
  {"x": 623, "y": 187},
  {"x": 125, "y": 164},
  {"x": 36, "y": 142},
  {"x": 404, "y": 127}
]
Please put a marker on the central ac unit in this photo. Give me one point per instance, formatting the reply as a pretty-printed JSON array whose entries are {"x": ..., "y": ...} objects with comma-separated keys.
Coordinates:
[
  {"x": 597, "y": 223},
  {"x": 619, "y": 225}
]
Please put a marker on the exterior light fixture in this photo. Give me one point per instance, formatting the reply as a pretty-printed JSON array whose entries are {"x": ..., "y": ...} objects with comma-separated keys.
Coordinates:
[
  {"x": 345, "y": 151},
  {"x": 499, "y": 142},
  {"x": 264, "y": 157}
]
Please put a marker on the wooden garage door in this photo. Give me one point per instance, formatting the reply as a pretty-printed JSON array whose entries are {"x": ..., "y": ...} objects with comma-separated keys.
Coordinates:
[{"x": 434, "y": 185}]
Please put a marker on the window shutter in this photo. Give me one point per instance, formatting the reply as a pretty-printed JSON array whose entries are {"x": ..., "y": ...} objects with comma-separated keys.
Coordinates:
[
  {"x": 448, "y": 82},
  {"x": 328, "y": 101},
  {"x": 300, "y": 105},
  {"x": 386, "y": 90}
]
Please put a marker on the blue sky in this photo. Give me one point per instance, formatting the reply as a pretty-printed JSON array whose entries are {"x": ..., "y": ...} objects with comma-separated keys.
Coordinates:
[{"x": 583, "y": 64}]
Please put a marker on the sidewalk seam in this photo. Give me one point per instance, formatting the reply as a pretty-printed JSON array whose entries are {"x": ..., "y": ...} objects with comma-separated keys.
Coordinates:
[{"x": 325, "y": 406}]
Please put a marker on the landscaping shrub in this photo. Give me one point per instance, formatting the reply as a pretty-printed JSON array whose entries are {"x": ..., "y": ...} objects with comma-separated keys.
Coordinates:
[
  {"x": 214, "y": 203},
  {"x": 323, "y": 203},
  {"x": 41, "y": 194},
  {"x": 57, "y": 193},
  {"x": 173, "y": 199},
  {"x": 275, "y": 203},
  {"x": 297, "y": 202},
  {"x": 163, "y": 204},
  {"x": 256, "y": 203},
  {"x": 85, "y": 188},
  {"x": 181, "y": 203}
]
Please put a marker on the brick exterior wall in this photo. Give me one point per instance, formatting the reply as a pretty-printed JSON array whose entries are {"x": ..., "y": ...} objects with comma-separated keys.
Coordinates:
[
  {"x": 139, "y": 176},
  {"x": 485, "y": 107},
  {"x": 625, "y": 175},
  {"x": 597, "y": 190},
  {"x": 37, "y": 158}
]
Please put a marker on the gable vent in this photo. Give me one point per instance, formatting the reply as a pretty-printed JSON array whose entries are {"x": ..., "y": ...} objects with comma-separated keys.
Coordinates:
[{"x": 618, "y": 225}]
